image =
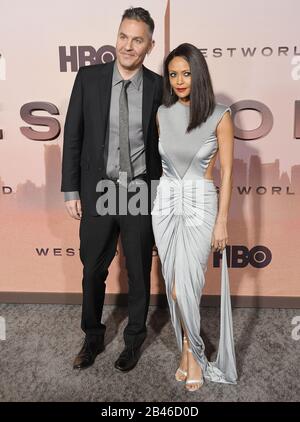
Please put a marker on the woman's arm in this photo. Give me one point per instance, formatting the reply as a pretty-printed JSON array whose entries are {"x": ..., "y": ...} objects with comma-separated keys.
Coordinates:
[
  {"x": 157, "y": 125},
  {"x": 225, "y": 141}
]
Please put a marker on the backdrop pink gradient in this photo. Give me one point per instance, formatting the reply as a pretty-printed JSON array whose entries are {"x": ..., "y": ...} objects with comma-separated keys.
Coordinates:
[{"x": 39, "y": 247}]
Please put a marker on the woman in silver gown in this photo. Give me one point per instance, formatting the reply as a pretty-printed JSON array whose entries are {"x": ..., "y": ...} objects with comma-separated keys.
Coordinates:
[{"x": 189, "y": 218}]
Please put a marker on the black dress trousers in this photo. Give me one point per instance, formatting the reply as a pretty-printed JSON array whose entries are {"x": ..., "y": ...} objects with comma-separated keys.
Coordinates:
[{"x": 98, "y": 243}]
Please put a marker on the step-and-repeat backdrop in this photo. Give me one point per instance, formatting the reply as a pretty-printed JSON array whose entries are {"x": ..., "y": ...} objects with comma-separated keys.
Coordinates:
[{"x": 253, "y": 52}]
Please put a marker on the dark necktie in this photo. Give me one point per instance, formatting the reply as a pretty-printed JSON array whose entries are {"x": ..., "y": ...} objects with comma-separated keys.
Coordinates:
[{"x": 125, "y": 163}]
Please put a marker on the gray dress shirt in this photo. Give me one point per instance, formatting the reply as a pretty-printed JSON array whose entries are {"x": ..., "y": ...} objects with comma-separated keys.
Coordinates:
[{"x": 136, "y": 138}]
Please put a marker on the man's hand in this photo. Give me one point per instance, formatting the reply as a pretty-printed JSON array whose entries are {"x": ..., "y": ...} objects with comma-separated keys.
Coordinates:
[{"x": 74, "y": 208}]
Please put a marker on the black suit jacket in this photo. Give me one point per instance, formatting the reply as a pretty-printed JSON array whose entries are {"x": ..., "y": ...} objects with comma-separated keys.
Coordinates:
[{"x": 85, "y": 128}]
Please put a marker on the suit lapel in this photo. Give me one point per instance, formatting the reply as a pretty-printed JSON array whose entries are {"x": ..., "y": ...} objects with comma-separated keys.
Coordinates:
[
  {"x": 105, "y": 81},
  {"x": 148, "y": 93}
]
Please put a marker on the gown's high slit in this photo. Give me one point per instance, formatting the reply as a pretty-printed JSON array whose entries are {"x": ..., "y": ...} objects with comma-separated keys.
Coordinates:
[{"x": 183, "y": 217}]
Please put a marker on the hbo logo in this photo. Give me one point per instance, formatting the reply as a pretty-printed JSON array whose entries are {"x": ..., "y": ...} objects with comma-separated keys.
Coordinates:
[{"x": 239, "y": 256}]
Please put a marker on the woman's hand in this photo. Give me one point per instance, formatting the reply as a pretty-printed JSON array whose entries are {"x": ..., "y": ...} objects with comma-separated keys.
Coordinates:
[{"x": 219, "y": 237}]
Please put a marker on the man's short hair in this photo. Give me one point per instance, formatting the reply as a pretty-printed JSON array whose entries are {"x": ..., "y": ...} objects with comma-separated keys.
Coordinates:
[{"x": 139, "y": 14}]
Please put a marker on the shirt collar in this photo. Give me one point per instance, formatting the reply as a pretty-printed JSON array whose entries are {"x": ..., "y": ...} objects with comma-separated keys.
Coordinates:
[{"x": 136, "y": 79}]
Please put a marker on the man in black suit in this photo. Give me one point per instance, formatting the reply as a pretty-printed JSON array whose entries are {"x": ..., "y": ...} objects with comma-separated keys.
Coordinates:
[{"x": 110, "y": 130}]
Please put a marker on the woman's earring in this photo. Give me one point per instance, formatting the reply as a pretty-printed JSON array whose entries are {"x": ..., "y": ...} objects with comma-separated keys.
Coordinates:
[{"x": 171, "y": 91}]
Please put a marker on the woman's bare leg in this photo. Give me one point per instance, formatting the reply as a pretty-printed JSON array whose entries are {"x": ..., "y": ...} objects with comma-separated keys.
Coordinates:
[
  {"x": 181, "y": 372},
  {"x": 189, "y": 368}
]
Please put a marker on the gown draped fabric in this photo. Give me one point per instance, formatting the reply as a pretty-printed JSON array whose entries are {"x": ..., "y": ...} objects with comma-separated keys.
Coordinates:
[{"x": 183, "y": 217}]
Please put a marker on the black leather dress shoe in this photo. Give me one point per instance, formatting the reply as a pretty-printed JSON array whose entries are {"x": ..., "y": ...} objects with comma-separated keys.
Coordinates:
[
  {"x": 92, "y": 346},
  {"x": 128, "y": 359}
]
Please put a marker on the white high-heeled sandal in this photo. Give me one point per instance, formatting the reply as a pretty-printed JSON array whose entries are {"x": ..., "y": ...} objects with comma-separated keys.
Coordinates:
[
  {"x": 181, "y": 371},
  {"x": 191, "y": 381}
]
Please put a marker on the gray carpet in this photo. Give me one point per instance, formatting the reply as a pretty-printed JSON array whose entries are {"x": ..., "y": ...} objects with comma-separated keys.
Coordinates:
[{"x": 42, "y": 340}]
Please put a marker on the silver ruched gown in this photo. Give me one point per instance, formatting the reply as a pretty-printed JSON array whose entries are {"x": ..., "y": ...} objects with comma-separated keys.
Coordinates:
[{"x": 183, "y": 218}]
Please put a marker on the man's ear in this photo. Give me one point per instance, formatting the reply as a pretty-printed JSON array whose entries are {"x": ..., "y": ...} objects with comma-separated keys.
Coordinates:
[{"x": 151, "y": 48}]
